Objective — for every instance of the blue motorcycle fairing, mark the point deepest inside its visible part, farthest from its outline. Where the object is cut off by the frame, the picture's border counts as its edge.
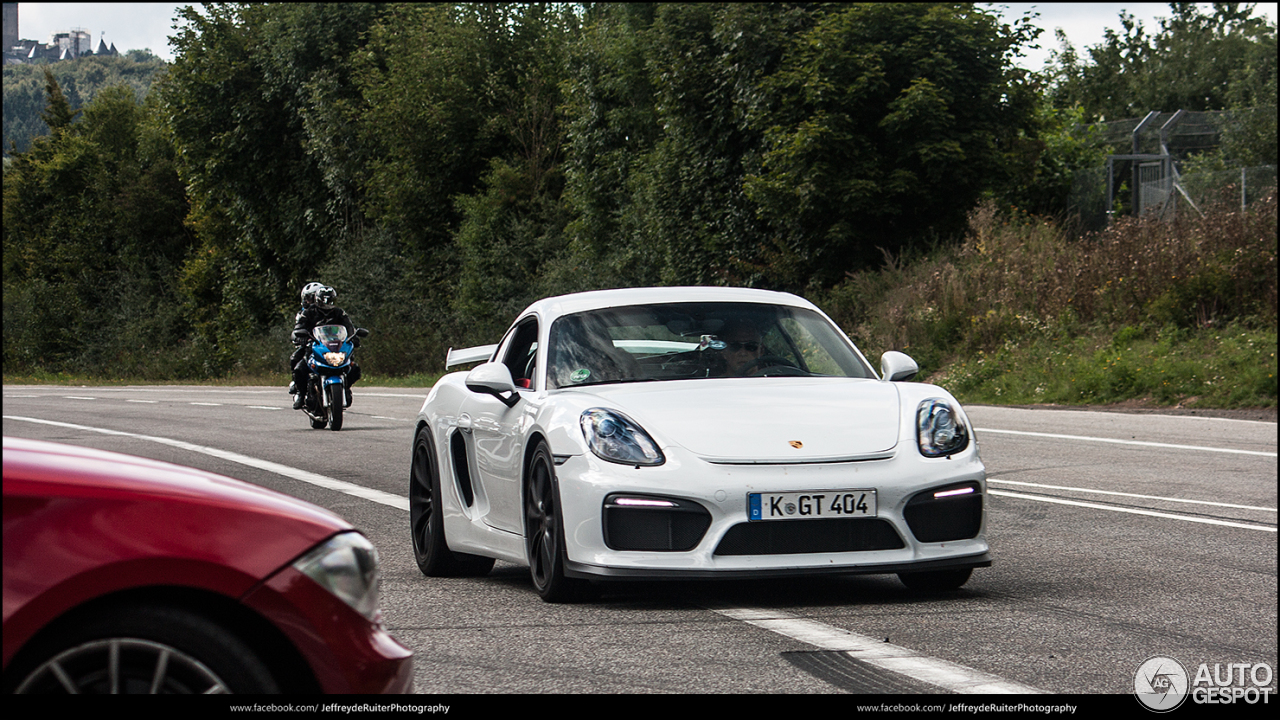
(317, 362)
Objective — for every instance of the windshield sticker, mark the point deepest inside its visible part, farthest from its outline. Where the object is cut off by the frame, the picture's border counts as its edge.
(579, 375)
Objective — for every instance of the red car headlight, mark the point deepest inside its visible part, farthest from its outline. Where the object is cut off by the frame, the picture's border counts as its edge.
(347, 566)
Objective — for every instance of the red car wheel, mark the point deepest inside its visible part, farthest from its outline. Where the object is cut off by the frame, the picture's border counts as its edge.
(141, 650)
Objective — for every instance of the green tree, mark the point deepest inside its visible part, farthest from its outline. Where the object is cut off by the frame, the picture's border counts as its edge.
(269, 192)
(58, 114)
(514, 226)
(460, 119)
(1249, 138)
(429, 81)
(662, 142)
(93, 237)
(709, 63)
(612, 119)
(1193, 61)
(79, 80)
(1044, 161)
(883, 126)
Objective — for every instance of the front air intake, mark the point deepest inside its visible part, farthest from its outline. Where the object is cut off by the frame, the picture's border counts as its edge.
(641, 522)
(942, 514)
(786, 537)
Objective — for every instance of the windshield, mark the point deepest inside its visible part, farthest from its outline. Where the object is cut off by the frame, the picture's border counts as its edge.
(330, 334)
(678, 341)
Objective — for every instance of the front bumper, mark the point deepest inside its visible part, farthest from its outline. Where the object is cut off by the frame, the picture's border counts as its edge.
(346, 653)
(578, 570)
(884, 544)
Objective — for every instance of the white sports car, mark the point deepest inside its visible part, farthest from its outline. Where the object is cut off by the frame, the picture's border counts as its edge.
(701, 432)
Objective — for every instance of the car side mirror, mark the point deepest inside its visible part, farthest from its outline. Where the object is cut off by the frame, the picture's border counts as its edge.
(493, 378)
(895, 366)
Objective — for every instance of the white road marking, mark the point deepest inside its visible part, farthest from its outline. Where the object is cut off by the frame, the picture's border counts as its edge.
(264, 407)
(1127, 442)
(206, 404)
(149, 402)
(329, 483)
(1134, 511)
(77, 397)
(935, 671)
(1130, 495)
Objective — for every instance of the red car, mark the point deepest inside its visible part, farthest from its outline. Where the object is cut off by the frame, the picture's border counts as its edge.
(129, 575)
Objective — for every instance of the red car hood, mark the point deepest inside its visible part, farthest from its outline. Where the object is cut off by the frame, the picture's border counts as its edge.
(83, 521)
(84, 472)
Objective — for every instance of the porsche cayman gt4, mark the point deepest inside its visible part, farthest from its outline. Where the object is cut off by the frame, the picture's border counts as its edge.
(690, 433)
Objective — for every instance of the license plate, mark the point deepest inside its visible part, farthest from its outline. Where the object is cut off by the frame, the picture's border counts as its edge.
(812, 504)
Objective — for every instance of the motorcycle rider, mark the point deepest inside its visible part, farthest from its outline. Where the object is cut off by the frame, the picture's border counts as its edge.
(322, 311)
(308, 299)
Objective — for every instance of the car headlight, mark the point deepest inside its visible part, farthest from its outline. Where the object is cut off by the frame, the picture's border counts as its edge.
(347, 566)
(335, 358)
(938, 430)
(614, 437)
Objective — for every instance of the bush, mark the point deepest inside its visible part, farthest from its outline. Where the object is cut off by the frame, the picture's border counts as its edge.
(1024, 312)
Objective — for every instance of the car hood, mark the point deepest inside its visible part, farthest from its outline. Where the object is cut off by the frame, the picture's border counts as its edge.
(133, 507)
(766, 420)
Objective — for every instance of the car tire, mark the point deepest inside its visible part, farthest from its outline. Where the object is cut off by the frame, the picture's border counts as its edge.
(141, 649)
(936, 580)
(544, 532)
(426, 519)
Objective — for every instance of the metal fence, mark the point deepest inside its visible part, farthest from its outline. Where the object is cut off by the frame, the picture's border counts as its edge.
(1146, 155)
(1244, 185)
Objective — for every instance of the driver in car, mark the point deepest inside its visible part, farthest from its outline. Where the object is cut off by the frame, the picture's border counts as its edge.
(742, 347)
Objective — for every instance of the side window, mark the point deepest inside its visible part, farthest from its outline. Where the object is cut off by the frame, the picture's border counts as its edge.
(522, 354)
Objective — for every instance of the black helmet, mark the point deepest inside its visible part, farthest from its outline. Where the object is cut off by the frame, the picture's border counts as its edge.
(325, 297)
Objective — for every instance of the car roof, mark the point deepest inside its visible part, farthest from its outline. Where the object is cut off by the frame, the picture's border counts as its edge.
(553, 307)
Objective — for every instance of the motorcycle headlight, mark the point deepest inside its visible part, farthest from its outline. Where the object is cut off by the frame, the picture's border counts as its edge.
(614, 437)
(347, 566)
(938, 431)
(335, 358)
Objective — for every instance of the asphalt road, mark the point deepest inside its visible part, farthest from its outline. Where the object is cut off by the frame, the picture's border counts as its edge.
(1115, 538)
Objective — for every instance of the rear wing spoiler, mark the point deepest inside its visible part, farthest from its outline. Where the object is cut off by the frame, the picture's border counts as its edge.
(468, 355)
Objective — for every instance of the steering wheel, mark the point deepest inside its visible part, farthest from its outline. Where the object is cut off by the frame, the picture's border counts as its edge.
(764, 363)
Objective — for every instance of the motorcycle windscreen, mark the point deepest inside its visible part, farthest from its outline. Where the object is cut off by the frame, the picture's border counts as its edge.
(330, 334)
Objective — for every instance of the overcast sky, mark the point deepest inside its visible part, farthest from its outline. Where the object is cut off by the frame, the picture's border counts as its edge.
(135, 26)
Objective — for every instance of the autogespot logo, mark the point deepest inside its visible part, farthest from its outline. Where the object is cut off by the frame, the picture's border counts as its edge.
(1161, 684)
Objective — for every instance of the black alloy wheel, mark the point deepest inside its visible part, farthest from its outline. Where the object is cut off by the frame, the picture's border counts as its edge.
(426, 522)
(544, 534)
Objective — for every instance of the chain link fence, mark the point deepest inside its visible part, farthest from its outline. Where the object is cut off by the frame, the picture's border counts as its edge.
(1142, 175)
(1244, 185)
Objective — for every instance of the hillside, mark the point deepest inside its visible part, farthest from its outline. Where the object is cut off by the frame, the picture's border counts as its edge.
(80, 80)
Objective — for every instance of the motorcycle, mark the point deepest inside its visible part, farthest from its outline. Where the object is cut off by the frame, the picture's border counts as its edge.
(329, 360)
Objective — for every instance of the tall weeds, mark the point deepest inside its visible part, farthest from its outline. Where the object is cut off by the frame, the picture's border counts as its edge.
(1018, 282)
